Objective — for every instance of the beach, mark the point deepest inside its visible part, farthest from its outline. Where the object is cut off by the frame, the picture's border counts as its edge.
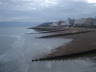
(81, 43)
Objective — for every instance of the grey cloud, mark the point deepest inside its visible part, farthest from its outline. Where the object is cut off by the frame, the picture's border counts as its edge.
(16, 10)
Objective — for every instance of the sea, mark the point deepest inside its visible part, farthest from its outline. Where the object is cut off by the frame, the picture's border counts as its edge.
(19, 45)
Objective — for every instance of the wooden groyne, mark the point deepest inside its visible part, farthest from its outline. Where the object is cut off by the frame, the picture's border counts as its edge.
(64, 34)
(90, 53)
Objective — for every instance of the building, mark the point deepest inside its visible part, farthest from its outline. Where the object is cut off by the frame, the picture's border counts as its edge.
(85, 22)
(59, 23)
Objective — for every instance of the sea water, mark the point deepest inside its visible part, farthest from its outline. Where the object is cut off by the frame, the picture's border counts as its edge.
(19, 45)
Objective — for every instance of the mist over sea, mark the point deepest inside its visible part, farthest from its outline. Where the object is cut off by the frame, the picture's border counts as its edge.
(18, 47)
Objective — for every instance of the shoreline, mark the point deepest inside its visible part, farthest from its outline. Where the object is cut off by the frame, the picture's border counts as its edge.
(81, 43)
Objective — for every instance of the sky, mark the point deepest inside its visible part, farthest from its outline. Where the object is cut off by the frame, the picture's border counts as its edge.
(45, 10)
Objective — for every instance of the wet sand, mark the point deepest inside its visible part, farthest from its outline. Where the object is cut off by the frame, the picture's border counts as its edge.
(81, 43)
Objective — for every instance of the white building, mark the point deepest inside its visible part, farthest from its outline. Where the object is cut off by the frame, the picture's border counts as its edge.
(59, 23)
(54, 24)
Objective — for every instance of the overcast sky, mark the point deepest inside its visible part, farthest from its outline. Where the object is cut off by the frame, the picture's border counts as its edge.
(45, 10)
